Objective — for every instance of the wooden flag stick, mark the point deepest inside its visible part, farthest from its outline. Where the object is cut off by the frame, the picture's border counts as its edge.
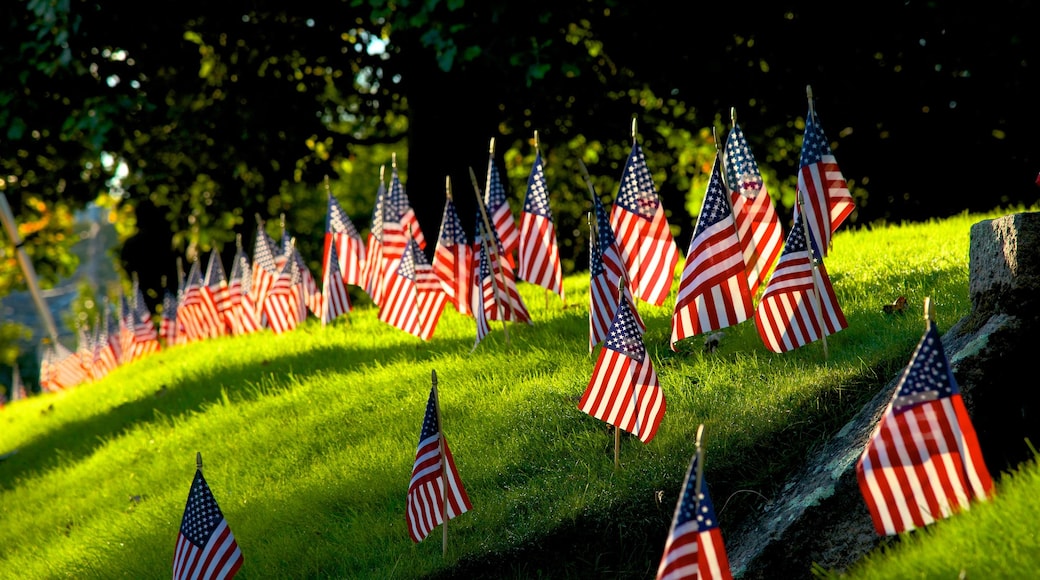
(929, 313)
(809, 97)
(633, 129)
(617, 447)
(198, 460)
(444, 467)
(490, 249)
(700, 464)
(28, 271)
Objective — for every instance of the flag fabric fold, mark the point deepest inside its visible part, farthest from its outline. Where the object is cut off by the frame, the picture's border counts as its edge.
(713, 290)
(215, 284)
(500, 214)
(434, 479)
(453, 260)
(400, 306)
(799, 305)
(335, 301)
(694, 548)
(538, 247)
(206, 547)
(350, 248)
(923, 461)
(607, 276)
(822, 188)
(624, 390)
(758, 226)
(645, 243)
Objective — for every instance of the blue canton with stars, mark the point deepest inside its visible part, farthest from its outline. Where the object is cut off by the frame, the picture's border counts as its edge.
(637, 193)
(716, 206)
(694, 506)
(742, 171)
(338, 221)
(496, 194)
(451, 228)
(397, 202)
(430, 427)
(376, 226)
(928, 377)
(407, 266)
(625, 336)
(201, 514)
(604, 232)
(796, 240)
(814, 142)
(537, 200)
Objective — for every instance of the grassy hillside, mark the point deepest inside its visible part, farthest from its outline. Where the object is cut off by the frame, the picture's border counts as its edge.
(308, 438)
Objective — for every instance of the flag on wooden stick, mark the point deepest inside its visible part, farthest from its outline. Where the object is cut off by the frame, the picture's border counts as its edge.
(453, 259)
(799, 305)
(923, 461)
(713, 290)
(694, 548)
(759, 229)
(435, 492)
(205, 548)
(644, 240)
(335, 301)
(624, 390)
(539, 250)
(821, 184)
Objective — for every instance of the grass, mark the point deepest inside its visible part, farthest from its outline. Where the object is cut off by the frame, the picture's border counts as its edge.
(308, 438)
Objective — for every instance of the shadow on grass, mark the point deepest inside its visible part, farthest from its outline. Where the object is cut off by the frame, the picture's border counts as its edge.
(77, 439)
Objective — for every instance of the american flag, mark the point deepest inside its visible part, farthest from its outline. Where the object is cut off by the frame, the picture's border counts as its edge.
(761, 235)
(713, 290)
(539, 250)
(624, 390)
(265, 270)
(146, 337)
(453, 260)
(340, 232)
(923, 461)
(372, 282)
(394, 239)
(215, 286)
(694, 548)
(431, 483)
(430, 294)
(606, 272)
(397, 199)
(798, 306)
(821, 185)
(502, 299)
(243, 316)
(197, 310)
(334, 298)
(482, 285)
(85, 352)
(305, 288)
(126, 330)
(206, 548)
(60, 368)
(279, 308)
(645, 243)
(400, 307)
(106, 359)
(499, 212)
(168, 330)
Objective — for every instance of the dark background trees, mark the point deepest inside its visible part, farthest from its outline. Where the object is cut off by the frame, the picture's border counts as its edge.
(226, 111)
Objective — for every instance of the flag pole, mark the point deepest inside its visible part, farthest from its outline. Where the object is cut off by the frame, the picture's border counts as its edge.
(444, 468)
(492, 254)
(929, 313)
(700, 465)
(7, 217)
(592, 243)
(198, 460)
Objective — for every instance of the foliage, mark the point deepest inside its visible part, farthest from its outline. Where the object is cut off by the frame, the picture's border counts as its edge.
(308, 438)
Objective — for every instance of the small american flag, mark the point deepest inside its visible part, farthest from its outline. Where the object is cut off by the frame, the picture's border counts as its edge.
(539, 250)
(798, 306)
(168, 322)
(340, 231)
(215, 286)
(265, 270)
(825, 194)
(694, 548)
(206, 548)
(429, 293)
(761, 235)
(502, 299)
(370, 275)
(106, 359)
(713, 290)
(606, 272)
(641, 226)
(145, 335)
(434, 477)
(243, 317)
(923, 462)
(280, 309)
(398, 206)
(335, 301)
(453, 260)
(624, 390)
(400, 307)
(499, 212)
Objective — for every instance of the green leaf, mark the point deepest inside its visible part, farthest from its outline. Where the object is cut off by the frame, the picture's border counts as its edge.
(447, 58)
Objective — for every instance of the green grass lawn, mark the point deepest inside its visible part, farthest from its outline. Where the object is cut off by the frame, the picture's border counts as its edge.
(308, 438)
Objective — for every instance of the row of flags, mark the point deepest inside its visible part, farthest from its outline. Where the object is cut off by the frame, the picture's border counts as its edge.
(922, 463)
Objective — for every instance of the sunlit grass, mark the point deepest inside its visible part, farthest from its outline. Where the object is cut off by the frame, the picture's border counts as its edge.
(308, 438)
